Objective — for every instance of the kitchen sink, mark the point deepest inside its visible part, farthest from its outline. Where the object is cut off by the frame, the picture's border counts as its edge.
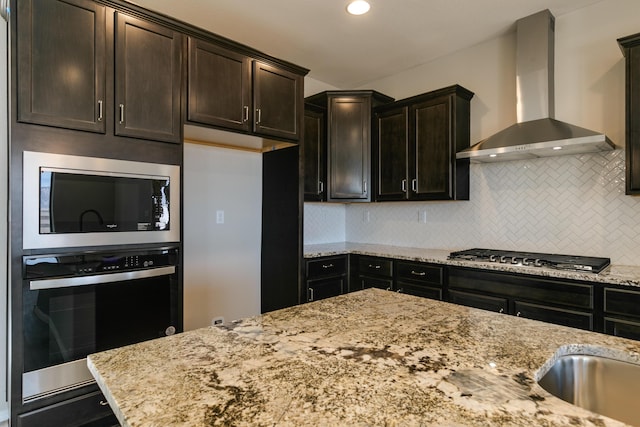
(602, 385)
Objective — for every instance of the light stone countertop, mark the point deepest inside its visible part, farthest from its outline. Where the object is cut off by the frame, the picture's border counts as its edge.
(616, 274)
(367, 358)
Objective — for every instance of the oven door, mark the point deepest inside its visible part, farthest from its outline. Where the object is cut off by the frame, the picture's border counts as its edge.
(66, 319)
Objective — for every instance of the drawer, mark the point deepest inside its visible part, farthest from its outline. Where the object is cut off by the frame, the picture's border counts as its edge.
(525, 288)
(485, 302)
(425, 273)
(375, 266)
(325, 288)
(89, 409)
(326, 266)
(419, 290)
(621, 301)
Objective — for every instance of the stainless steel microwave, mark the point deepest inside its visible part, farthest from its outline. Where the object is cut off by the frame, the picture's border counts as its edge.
(74, 201)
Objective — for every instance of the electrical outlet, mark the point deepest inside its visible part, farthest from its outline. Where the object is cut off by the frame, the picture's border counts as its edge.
(422, 217)
(219, 217)
(217, 321)
(366, 216)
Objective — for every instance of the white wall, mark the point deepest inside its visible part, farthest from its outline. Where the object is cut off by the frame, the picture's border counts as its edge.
(221, 261)
(571, 204)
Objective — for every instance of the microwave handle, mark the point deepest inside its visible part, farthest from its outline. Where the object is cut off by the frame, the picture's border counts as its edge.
(68, 282)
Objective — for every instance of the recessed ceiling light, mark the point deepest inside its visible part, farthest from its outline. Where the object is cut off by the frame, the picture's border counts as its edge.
(358, 7)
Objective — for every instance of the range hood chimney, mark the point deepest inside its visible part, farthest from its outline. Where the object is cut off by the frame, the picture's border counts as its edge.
(537, 133)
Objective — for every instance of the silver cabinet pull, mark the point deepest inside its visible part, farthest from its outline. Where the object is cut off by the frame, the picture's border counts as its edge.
(245, 116)
(501, 310)
(414, 185)
(320, 187)
(377, 267)
(418, 273)
(518, 314)
(400, 291)
(121, 113)
(99, 110)
(310, 294)
(364, 184)
(404, 185)
(104, 403)
(327, 265)
(258, 115)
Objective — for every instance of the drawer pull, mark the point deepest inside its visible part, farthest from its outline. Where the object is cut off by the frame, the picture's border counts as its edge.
(400, 291)
(310, 296)
(377, 267)
(501, 311)
(518, 314)
(104, 403)
(327, 265)
(418, 273)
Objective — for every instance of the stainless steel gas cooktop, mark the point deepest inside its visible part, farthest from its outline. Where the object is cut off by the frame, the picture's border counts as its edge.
(534, 259)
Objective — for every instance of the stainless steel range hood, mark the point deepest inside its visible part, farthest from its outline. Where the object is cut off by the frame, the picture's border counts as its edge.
(537, 133)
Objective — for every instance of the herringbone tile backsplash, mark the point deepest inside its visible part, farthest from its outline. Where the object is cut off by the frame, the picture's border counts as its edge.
(571, 204)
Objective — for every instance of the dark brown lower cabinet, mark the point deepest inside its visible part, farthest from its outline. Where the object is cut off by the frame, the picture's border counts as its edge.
(371, 272)
(550, 300)
(420, 279)
(89, 410)
(622, 312)
(326, 277)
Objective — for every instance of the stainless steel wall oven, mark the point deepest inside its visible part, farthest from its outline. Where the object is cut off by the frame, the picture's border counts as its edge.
(80, 303)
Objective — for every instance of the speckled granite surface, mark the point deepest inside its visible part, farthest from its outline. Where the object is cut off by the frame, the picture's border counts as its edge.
(368, 358)
(615, 274)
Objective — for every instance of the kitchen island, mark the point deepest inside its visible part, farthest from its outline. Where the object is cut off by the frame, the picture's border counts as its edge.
(371, 357)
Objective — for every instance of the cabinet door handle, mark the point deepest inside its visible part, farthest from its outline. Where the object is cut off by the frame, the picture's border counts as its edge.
(327, 265)
(99, 110)
(320, 187)
(103, 403)
(310, 296)
(245, 116)
(377, 267)
(518, 314)
(121, 113)
(364, 185)
(414, 185)
(400, 291)
(404, 185)
(501, 311)
(258, 115)
(418, 273)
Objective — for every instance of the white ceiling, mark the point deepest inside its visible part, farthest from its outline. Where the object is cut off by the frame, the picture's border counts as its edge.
(351, 51)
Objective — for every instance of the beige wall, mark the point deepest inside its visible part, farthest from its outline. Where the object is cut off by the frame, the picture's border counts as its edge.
(221, 261)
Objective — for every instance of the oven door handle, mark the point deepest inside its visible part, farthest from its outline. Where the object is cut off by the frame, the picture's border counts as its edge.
(69, 282)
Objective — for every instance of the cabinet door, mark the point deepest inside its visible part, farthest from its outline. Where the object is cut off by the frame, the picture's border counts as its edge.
(349, 148)
(419, 290)
(147, 80)
(632, 97)
(559, 316)
(61, 64)
(219, 92)
(391, 154)
(277, 101)
(431, 159)
(325, 288)
(314, 155)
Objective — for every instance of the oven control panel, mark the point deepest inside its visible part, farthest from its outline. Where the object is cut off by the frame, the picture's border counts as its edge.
(79, 264)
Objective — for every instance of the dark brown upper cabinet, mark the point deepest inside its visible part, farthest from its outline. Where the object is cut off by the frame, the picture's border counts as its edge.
(349, 115)
(415, 145)
(219, 86)
(61, 68)
(630, 46)
(231, 90)
(315, 147)
(147, 80)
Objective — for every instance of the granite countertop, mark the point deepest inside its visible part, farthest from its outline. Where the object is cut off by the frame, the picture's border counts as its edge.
(616, 274)
(371, 357)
